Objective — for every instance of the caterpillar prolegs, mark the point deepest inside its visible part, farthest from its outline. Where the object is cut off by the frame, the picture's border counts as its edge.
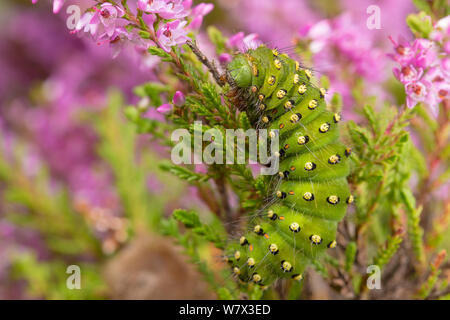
(312, 194)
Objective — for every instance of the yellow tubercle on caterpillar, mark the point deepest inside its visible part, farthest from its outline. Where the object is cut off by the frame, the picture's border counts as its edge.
(315, 239)
(261, 97)
(273, 248)
(309, 166)
(308, 196)
(336, 117)
(308, 74)
(243, 241)
(334, 159)
(237, 255)
(302, 140)
(271, 215)
(296, 78)
(256, 278)
(333, 199)
(271, 80)
(255, 70)
(295, 117)
(289, 104)
(350, 199)
(312, 104)
(294, 227)
(265, 119)
(277, 63)
(302, 88)
(258, 230)
(348, 152)
(281, 93)
(275, 52)
(286, 266)
(332, 244)
(297, 66)
(280, 194)
(324, 127)
(251, 262)
(323, 92)
(236, 271)
(297, 277)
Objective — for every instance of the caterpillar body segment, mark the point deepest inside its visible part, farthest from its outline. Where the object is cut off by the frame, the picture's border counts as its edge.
(311, 194)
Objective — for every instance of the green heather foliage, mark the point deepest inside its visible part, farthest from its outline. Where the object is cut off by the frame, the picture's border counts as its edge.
(396, 221)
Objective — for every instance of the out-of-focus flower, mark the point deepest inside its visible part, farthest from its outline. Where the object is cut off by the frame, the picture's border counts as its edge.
(165, 108)
(57, 4)
(225, 58)
(198, 13)
(167, 9)
(179, 99)
(172, 34)
(343, 51)
(102, 22)
(274, 21)
(243, 43)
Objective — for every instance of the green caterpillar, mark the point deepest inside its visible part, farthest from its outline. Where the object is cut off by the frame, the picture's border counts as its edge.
(312, 193)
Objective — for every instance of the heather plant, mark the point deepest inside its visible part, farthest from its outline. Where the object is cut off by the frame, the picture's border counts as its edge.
(393, 241)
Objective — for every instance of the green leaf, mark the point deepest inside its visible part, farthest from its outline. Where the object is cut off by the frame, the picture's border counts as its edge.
(420, 24)
(189, 218)
(155, 51)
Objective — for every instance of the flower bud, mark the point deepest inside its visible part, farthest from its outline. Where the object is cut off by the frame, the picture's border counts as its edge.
(165, 108)
(179, 99)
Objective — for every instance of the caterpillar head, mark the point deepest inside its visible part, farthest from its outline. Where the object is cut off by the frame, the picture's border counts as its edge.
(241, 71)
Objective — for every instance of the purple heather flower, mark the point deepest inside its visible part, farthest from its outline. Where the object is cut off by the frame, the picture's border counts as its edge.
(424, 67)
(165, 108)
(198, 12)
(225, 58)
(153, 6)
(88, 23)
(167, 9)
(244, 43)
(57, 4)
(179, 99)
(408, 74)
(172, 34)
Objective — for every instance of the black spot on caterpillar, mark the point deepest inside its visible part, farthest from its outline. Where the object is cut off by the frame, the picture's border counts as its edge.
(312, 193)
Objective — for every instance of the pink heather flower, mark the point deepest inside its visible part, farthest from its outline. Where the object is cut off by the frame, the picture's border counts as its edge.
(153, 6)
(242, 43)
(108, 15)
(88, 23)
(407, 74)
(425, 68)
(403, 50)
(165, 108)
(416, 92)
(172, 34)
(174, 9)
(167, 9)
(225, 58)
(57, 4)
(441, 29)
(198, 13)
(179, 99)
